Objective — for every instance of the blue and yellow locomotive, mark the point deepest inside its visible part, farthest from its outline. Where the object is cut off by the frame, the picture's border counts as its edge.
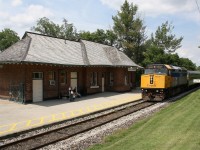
(160, 81)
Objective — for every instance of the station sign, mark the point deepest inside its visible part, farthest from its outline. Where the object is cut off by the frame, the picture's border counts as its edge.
(132, 69)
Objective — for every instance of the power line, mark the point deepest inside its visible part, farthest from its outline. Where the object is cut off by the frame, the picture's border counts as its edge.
(197, 6)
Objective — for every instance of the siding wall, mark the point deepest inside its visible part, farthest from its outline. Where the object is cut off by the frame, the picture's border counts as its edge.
(22, 73)
(10, 75)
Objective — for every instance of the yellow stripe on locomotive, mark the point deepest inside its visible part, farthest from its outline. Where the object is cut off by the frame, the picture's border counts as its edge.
(154, 81)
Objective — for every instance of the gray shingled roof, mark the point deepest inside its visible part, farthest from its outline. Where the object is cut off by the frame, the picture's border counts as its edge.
(45, 49)
(16, 52)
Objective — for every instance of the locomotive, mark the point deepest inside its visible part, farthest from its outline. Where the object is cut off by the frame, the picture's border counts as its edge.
(161, 81)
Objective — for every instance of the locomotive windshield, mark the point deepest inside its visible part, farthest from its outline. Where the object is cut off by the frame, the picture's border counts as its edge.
(156, 69)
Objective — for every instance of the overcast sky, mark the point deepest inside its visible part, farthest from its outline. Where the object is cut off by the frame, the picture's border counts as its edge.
(89, 15)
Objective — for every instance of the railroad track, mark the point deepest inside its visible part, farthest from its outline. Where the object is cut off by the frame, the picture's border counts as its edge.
(55, 135)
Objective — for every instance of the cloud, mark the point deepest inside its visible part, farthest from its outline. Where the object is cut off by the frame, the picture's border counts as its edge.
(3, 15)
(190, 50)
(27, 17)
(156, 8)
(16, 2)
(114, 4)
(191, 54)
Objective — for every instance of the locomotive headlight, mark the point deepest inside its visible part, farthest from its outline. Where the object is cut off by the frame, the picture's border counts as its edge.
(157, 90)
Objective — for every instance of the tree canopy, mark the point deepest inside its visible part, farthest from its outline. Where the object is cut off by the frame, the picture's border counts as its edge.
(48, 27)
(107, 37)
(161, 47)
(165, 39)
(187, 63)
(130, 31)
(157, 55)
(7, 38)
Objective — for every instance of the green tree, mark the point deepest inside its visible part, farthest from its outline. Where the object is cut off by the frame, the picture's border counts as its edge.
(7, 38)
(153, 55)
(157, 55)
(100, 36)
(111, 38)
(187, 63)
(86, 35)
(68, 31)
(165, 39)
(172, 59)
(130, 32)
(160, 48)
(47, 27)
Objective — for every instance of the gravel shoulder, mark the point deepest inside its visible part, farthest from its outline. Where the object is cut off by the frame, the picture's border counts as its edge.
(87, 139)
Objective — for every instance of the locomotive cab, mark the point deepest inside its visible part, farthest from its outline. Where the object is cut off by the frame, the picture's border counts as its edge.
(155, 81)
(160, 81)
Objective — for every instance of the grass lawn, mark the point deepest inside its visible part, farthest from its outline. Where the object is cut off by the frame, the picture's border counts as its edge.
(176, 127)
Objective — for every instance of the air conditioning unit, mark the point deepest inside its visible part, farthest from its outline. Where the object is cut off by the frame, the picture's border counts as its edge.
(52, 82)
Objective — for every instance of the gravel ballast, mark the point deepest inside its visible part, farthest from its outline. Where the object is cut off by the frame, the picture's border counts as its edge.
(85, 140)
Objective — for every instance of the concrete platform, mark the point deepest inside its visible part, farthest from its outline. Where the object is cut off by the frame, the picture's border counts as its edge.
(16, 117)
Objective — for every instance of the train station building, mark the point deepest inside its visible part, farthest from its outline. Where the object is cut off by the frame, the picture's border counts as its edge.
(41, 67)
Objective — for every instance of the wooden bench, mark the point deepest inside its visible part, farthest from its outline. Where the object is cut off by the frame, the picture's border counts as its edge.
(64, 95)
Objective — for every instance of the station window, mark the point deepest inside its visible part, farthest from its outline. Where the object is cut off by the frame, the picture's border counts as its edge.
(111, 79)
(37, 75)
(52, 78)
(63, 77)
(126, 79)
(51, 75)
(93, 79)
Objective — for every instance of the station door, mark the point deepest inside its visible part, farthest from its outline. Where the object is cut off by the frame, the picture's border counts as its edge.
(37, 87)
(74, 80)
